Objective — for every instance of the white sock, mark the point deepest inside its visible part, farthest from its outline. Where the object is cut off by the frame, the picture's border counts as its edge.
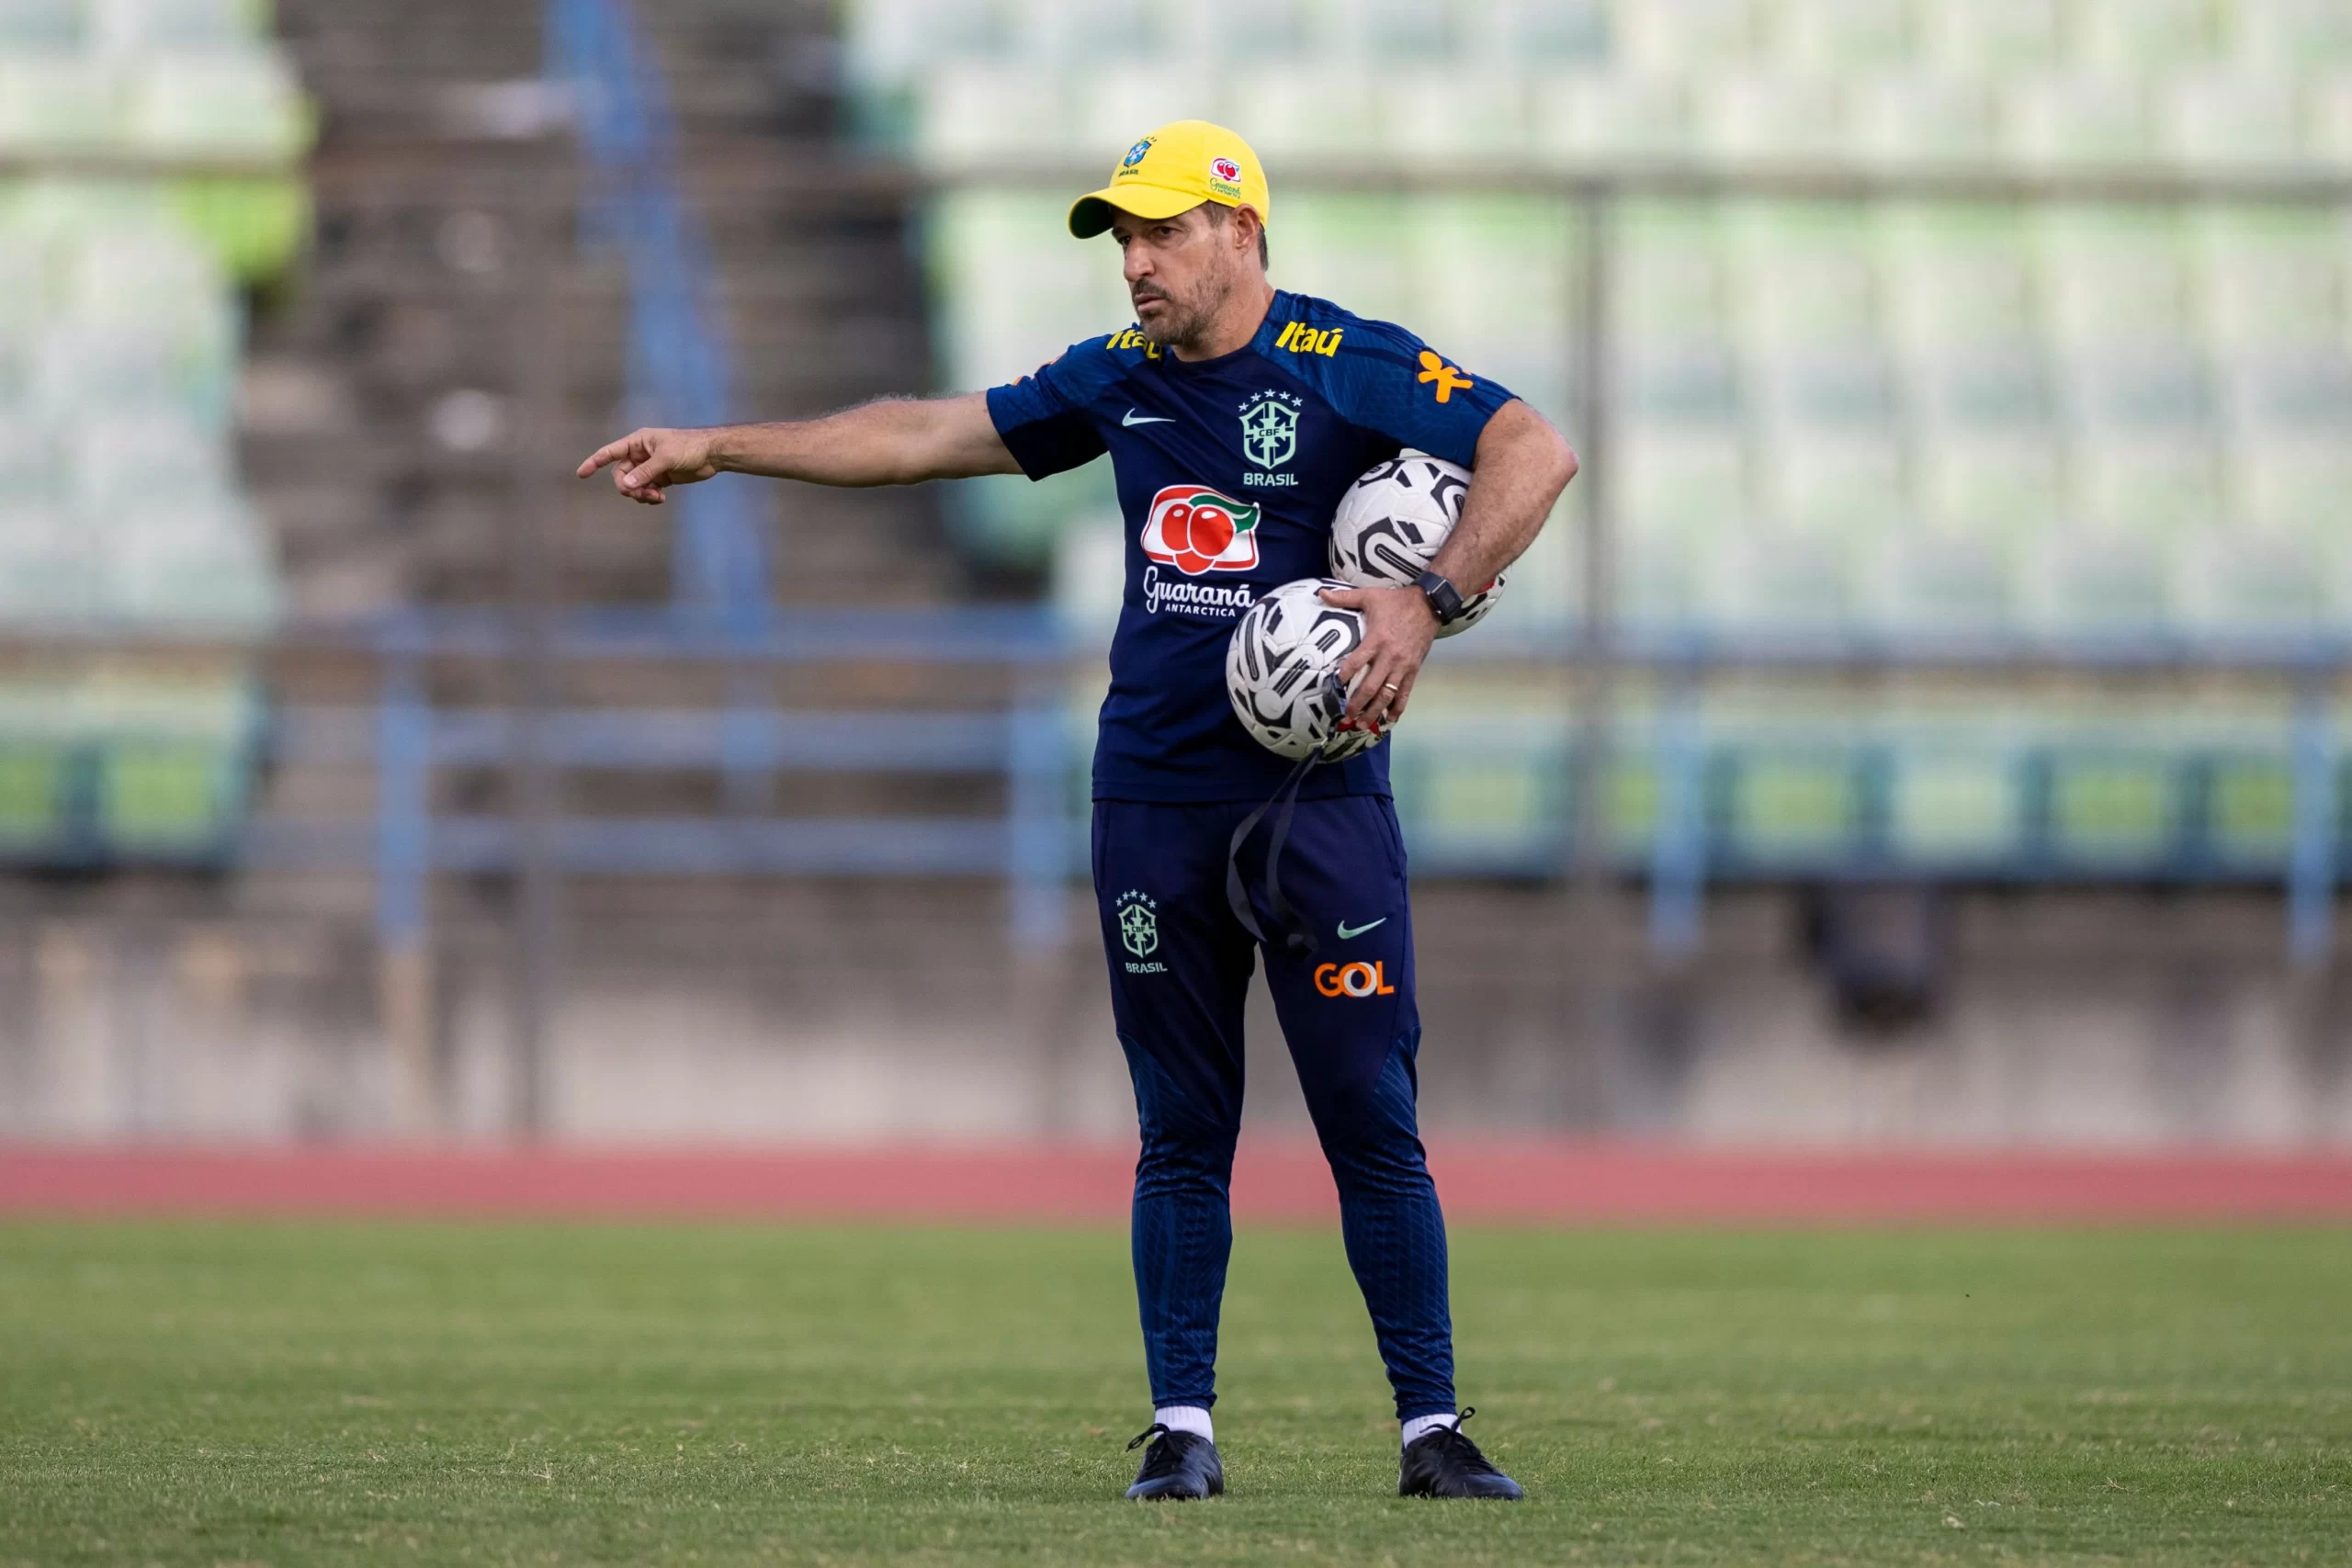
(1420, 1426)
(1186, 1419)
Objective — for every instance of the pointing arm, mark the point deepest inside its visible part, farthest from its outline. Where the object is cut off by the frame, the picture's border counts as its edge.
(895, 441)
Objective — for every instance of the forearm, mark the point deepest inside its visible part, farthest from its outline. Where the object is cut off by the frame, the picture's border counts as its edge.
(897, 441)
(1522, 466)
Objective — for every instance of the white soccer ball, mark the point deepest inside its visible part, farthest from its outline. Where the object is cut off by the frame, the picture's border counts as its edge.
(1391, 523)
(1282, 669)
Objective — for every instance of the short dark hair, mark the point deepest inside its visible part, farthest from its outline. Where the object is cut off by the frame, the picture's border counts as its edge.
(1218, 213)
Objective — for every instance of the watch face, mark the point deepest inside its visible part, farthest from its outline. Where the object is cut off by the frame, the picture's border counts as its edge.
(1444, 599)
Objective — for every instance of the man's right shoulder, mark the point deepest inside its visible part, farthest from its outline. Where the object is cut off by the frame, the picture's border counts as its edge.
(1125, 346)
(1076, 385)
(1091, 366)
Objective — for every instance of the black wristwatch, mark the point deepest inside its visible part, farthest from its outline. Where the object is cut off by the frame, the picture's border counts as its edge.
(1445, 600)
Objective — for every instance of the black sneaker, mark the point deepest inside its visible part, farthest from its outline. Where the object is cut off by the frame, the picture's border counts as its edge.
(1177, 1465)
(1442, 1462)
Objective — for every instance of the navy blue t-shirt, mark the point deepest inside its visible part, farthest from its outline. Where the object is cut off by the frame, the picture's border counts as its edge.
(1229, 471)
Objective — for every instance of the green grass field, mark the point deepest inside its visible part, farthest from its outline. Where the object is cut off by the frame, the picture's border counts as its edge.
(206, 1395)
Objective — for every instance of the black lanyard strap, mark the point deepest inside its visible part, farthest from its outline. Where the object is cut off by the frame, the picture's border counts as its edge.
(1297, 936)
(1284, 804)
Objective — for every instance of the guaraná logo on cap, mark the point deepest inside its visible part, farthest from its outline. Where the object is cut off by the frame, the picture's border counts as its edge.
(1226, 170)
(1135, 154)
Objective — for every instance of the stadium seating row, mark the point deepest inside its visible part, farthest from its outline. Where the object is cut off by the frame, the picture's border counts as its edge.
(89, 301)
(972, 113)
(2081, 784)
(118, 766)
(199, 565)
(892, 42)
(118, 28)
(2030, 83)
(231, 106)
(154, 78)
(1500, 274)
(1929, 275)
(2060, 793)
(252, 224)
(2259, 589)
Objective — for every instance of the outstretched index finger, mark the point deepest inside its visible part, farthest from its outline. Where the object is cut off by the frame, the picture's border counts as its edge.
(610, 452)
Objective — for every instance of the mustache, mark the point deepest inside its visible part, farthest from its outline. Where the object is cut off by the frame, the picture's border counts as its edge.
(1142, 293)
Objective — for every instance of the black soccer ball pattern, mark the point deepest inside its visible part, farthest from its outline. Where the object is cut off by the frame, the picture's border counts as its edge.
(1282, 672)
(1391, 523)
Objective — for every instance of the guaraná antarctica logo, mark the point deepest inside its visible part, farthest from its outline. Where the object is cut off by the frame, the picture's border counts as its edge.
(1194, 529)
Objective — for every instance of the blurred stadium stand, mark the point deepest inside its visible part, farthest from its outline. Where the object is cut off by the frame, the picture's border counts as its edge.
(1964, 418)
(1966, 389)
(122, 329)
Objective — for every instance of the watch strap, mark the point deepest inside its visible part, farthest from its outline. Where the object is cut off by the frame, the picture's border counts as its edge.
(1444, 599)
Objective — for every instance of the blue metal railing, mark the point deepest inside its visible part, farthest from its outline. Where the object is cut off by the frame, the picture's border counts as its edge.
(408, 740)
(2046, 824)
(1698, 791)
(679, 368)
(1700, 825)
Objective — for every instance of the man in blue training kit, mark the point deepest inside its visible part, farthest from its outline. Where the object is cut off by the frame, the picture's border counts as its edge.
(1235, 415)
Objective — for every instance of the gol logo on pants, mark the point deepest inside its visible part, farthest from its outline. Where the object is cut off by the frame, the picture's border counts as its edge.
(1353, 980)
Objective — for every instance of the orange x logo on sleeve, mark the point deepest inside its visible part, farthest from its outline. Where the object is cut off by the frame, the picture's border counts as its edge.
(1449, 379)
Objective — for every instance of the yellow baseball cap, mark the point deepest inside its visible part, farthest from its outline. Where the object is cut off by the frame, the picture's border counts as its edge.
(1173, 170)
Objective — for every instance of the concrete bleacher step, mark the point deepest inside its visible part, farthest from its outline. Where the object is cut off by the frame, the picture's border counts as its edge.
(378, 416)
(821, 299)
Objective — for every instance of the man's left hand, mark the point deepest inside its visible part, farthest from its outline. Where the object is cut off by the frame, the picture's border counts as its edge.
(1399, 626)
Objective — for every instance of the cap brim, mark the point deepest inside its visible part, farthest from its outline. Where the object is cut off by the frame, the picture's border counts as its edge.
(1090, 214)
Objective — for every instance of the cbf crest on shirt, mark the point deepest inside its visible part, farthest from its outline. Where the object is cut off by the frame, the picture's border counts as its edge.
(1229, 471)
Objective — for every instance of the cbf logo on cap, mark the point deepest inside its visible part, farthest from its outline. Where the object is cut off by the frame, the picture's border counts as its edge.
(1173, 170)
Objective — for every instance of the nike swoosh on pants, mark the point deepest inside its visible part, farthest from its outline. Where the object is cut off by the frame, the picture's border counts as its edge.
(1345, 933)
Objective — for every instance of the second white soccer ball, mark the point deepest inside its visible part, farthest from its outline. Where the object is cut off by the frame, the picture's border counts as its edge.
(1390, 526)
(1281, 670)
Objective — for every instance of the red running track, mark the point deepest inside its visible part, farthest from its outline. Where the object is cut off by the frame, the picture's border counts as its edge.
(1526, 1183)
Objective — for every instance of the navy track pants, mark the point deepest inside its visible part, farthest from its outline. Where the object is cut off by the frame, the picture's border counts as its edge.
(1180, 972)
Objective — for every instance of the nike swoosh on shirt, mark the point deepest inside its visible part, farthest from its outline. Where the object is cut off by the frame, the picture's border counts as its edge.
(1345, 933)
(1134, 419)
